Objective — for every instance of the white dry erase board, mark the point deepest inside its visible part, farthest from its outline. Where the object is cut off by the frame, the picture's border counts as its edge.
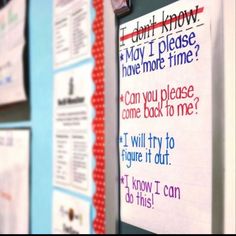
(165, 134)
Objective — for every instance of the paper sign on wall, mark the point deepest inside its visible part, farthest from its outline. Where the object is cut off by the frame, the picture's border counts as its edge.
(70, 215)
(12, 42)
(166, 118)
(14, 181)
(73, 129)
(72, 27)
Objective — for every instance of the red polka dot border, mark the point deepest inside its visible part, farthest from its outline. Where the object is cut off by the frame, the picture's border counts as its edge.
(98, 122)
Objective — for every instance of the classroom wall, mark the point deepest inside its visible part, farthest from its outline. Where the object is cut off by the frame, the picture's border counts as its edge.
(41, 89)
(37, 114)
(42, 76)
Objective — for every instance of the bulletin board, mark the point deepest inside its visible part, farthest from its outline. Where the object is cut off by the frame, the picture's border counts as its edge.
(78, 118)
(38, 115)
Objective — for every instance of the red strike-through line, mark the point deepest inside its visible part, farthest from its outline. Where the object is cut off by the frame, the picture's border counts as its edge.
(157, 25)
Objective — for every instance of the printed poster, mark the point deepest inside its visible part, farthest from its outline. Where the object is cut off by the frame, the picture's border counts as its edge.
(165, 138)
(73, 135)
(70, 214)
(72, 31)
(14, 181)
(12, 44)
